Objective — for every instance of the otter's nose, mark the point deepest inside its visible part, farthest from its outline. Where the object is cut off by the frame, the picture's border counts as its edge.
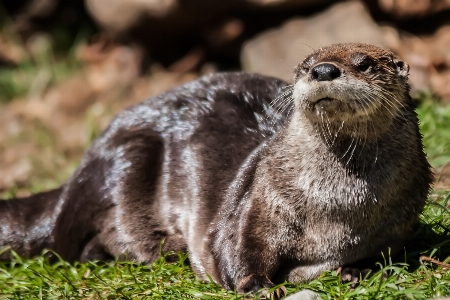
(325, 72)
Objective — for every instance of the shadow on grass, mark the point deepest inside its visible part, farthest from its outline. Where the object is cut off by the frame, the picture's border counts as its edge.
(429, 243)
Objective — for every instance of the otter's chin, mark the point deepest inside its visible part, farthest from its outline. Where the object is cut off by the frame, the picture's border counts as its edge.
(326, 105)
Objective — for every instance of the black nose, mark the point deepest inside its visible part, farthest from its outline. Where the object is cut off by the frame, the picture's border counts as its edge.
(325, 72)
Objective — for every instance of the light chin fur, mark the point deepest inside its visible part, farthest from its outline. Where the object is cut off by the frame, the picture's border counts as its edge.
(354, 100)
(357, 110)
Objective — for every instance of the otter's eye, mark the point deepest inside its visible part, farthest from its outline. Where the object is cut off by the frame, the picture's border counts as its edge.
(308, 62)
(301, 70)
(364, 66)
(363, 62)
(305, 67)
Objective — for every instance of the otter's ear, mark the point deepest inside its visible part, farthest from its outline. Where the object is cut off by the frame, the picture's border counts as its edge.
(402, 67)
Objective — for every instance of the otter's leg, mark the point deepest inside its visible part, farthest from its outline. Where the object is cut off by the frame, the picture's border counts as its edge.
(359, 270)
(304, 273)
(349, 273)
(83, 210)
(255, 271)
(246, 261)
(133, 228)
(113, 197)
(95, 250)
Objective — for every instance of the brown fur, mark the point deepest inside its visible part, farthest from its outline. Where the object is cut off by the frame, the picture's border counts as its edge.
(334, 172)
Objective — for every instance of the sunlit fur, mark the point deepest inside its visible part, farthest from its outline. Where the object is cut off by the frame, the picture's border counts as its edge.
(364, 102)
(257, 180)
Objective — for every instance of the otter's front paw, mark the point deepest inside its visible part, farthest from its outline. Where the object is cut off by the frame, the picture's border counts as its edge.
(349, 274)
(354, 274)
(257, 283)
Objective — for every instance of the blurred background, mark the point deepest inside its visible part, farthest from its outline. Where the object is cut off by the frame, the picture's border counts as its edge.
(68, 66)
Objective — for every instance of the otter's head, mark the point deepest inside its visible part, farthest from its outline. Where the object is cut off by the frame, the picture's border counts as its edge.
(353, 84)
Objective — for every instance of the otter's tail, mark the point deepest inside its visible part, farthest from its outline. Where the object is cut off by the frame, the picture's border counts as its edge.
(26, 224)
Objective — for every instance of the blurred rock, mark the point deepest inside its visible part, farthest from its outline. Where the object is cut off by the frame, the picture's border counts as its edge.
(158, 82)
(441, 45)
(281, 3)
(440, 59)
(429, 61)
(224, 32)
(28, 10)
(189, 62)
(416, 53)
(120, 16)
(39, 8)
(403, 9)
(276, 52)
(11, 52)
(391, 37)
(109, 65)
(304, 295)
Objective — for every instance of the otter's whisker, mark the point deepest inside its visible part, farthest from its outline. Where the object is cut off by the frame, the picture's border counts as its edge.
(286, 105)
(278, 105)
(280, 97)
(383, 91)
(348, 149)
(291, 86)
(323, 131)
(364, 104)
(364, 144)
(353, 151)
(328, 125)
(337, 132)
(376, 144)
(280, 109)
(374, 98)
(396, 108)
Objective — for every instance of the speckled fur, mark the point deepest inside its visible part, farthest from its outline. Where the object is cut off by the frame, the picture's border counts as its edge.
(254, 194)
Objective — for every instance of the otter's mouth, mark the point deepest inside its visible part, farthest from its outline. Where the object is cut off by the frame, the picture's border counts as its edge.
(326, 99)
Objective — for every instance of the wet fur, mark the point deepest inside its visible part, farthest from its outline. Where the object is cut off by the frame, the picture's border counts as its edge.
(255, 192)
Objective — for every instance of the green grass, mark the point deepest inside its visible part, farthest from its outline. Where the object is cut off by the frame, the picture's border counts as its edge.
(41, 64)
(407, 277)
(39, 279)
(435, 127)
(33, 75)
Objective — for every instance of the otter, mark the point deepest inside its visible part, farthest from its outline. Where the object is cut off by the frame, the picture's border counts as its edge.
(257, 179)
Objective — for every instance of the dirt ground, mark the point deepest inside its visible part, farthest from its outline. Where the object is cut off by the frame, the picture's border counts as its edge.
(44, 134)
